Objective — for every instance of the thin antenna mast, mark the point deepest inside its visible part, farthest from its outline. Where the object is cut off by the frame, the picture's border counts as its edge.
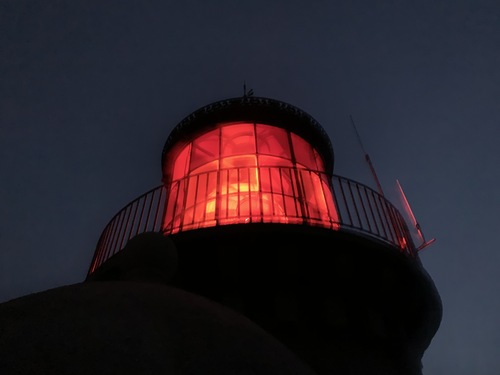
(367, 158)
(409, 212)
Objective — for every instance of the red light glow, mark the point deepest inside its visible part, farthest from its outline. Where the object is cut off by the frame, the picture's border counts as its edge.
(245, 173)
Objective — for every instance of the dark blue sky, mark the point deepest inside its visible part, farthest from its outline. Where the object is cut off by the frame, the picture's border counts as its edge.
(89, 91)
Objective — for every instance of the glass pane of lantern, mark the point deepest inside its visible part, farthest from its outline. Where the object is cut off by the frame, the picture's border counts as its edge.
(205, 149)
(237, 140)
(181, 163)
(272, 141)
(303, 152)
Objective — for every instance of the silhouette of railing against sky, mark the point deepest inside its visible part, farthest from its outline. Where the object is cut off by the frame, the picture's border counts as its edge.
(359, 210)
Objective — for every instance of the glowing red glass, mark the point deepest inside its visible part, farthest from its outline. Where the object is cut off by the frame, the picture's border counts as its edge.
(246, 173)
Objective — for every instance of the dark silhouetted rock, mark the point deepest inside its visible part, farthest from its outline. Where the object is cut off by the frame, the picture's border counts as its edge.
(134, 328)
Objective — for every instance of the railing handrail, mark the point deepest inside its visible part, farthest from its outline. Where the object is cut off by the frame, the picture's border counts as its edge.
(390, 226)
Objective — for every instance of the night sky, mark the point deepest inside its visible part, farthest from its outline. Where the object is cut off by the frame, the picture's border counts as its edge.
(90, 90)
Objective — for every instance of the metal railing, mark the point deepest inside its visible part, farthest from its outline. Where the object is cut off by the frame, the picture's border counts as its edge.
(360, 210)
(144, 214)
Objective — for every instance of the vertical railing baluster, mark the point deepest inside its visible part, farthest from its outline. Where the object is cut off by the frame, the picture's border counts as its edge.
(371, 210)
(204, 218)
(381, 221)
(391, 237)
(364, 209)
(249, 195)
(176, 205)
(396, 229)
(395, 225)
(354, 204)
(157, 213)
(101, 247)
(110, 240)
(149, 211)
(143, 206)
(345, 203)
(124, 236)
(136, 205)
(118, 233)
(335, 200)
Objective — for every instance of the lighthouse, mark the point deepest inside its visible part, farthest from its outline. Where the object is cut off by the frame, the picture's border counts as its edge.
(261, 224)
(251, 217)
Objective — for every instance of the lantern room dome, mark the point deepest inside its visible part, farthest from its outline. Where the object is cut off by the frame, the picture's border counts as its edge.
(255, 110)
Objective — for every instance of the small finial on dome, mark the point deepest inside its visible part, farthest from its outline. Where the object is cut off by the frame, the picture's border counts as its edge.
(245, 92)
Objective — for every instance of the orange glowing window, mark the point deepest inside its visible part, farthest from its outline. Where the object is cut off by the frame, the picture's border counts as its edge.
(244, 173)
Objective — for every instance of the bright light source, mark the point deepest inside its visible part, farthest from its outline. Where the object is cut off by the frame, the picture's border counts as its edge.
(247, 173)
